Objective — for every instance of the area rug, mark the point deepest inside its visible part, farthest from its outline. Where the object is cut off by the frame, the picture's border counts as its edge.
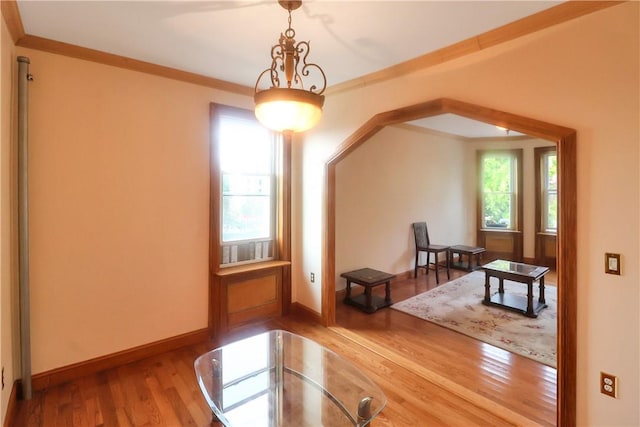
(457, 305)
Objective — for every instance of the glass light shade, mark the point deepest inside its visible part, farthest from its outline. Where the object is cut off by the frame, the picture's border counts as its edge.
(292, 110)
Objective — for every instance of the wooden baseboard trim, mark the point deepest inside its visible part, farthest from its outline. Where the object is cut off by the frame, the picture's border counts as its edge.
(68, 373)
(304, 312)
(12, 406)
(403, 276)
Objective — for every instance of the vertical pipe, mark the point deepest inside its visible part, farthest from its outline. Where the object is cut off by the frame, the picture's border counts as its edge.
(23, 224)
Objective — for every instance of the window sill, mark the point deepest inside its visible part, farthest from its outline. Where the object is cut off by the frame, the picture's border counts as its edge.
(230, 271)
(500, 230)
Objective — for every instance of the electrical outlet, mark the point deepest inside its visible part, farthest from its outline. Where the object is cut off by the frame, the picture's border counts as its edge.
(609, 384)
(313, 278)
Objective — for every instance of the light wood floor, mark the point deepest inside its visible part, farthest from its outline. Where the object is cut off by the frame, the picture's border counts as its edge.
(510, 381)
(429, 374)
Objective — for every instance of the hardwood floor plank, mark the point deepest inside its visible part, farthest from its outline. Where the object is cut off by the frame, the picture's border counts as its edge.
(88, 402)
(163, 374)
(106, 404)
(31, 414)
(165, 408)
(115, 390)
(53, 400)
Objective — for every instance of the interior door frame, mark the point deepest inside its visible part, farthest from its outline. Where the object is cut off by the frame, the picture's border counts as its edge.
(565, 139)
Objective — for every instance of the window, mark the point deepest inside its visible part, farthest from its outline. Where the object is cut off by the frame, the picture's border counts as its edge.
(499, 189)
(548, 188)
(246, 153)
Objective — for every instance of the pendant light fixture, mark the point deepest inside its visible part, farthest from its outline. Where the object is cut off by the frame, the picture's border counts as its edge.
(287, 106)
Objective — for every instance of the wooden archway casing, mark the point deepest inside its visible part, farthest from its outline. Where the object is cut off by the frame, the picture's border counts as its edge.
(565, 139)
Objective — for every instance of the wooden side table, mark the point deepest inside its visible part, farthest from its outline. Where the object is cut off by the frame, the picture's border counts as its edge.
(469, 252)
(369, 278)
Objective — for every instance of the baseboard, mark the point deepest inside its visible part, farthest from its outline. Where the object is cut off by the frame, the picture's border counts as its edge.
(12, 406)
(305, 312)
(68, 373)
(404, 275)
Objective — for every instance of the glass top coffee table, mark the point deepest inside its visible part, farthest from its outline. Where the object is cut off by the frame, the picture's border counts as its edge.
(278, 378)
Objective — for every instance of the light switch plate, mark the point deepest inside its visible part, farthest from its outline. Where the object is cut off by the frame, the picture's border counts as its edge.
(612, 263)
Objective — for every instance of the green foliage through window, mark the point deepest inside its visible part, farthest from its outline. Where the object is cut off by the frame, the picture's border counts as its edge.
(550, 191)
(498, 190)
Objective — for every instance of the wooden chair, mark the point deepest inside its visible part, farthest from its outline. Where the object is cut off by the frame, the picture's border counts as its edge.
(423, 244)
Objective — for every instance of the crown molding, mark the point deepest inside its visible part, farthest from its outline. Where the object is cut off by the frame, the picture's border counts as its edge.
(12, 18)
(547, 18)
(79, 52)
(539, 21)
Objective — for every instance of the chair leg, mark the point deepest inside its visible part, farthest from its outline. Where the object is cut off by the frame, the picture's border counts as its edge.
(435, 266)
(415, 270)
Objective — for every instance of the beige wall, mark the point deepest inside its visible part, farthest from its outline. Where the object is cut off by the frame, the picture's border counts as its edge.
(403, 175)
(582, 74)
(7, 262)
(398, 177)
(119, 190)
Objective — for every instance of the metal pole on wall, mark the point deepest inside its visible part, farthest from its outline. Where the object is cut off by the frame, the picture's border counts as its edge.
(23, 224)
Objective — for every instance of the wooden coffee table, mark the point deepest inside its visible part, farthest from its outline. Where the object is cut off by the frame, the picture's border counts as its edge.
(369, 278)
(517, 272)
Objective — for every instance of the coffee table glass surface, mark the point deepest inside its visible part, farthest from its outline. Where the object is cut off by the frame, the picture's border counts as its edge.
(278, 378)
(533, 271)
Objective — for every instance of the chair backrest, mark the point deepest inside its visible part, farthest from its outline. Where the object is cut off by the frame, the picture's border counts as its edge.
(421, 234)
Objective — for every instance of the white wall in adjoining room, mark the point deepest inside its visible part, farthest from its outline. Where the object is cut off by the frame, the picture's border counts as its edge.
(398, 177)
(406, 174)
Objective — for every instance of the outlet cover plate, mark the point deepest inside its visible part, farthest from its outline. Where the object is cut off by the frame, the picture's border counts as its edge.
(609, 385)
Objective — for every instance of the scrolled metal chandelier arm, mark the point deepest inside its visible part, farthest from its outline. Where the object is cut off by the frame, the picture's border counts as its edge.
(304, 48)
(285, 60)
(289, 106)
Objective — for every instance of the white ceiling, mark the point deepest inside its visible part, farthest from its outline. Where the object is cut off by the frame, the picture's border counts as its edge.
(461, 126)
(231, 40)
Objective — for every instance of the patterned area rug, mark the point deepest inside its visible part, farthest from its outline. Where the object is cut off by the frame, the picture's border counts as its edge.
(457, 305)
